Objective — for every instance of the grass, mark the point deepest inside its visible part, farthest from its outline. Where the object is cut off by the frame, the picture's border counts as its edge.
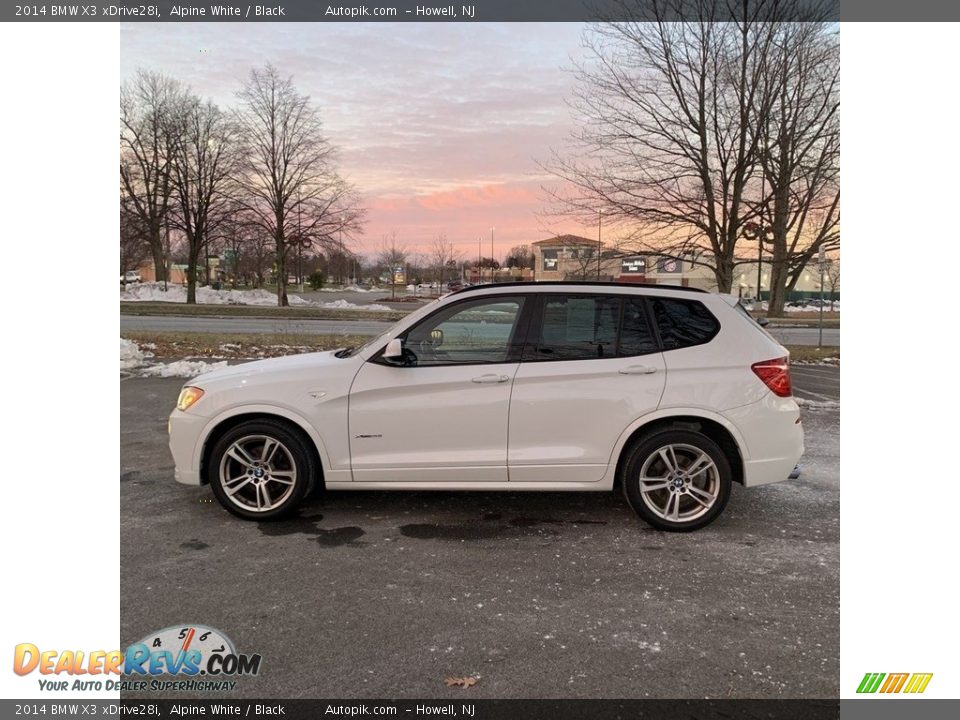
(810, 354)
(161, 308)
(241, 346)
(236, 346)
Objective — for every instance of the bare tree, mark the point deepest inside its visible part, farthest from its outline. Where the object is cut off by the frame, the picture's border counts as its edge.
(668, 147)
(520, 256)
(204, 164)
(443, 256)
(392, 255)
(134, 248)
(800, 152)
(147, 104)
(290, 183)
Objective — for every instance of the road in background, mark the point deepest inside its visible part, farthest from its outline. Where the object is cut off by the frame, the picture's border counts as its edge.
(306, 326)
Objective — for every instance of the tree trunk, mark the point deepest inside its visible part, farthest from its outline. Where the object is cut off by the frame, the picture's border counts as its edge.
(282, 300)
(778, 280)
(724, 274)
(192, 282)
(159, 257)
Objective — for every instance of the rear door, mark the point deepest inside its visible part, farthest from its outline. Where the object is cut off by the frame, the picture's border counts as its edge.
(591, 367)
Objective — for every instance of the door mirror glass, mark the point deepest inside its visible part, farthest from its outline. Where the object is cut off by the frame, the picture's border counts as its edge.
(394, 349)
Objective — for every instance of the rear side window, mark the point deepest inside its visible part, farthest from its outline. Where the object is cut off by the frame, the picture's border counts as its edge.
(578, 328)
(586, 327)
(683, 323)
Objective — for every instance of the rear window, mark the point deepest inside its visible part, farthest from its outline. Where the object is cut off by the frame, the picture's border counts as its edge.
(683, 323)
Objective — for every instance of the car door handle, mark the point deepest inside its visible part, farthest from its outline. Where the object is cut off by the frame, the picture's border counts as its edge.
(490, 379)
(637, 370)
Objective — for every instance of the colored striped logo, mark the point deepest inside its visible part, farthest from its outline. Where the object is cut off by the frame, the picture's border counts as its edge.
(894, 682)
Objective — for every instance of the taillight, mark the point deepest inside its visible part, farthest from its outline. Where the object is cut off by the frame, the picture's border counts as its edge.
(775, 375)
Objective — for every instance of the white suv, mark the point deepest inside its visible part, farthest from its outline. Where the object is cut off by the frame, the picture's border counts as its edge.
(671, 393)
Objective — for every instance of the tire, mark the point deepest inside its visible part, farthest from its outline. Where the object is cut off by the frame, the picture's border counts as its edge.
(670, 498)
(262, 470)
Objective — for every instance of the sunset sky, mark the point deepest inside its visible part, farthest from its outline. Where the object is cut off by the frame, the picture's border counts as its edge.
(440, 125)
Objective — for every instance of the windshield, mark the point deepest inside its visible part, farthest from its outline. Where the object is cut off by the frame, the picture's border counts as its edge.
(353, 350)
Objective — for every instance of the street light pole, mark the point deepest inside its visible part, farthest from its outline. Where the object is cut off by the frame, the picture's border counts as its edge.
(299, 245)
(491, 254)
(822, 261)
(599, 243)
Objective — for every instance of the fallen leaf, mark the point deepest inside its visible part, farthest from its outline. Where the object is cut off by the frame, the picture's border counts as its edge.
(463, 682)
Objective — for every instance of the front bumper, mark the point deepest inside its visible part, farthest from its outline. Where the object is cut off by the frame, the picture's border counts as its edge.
(185, 432)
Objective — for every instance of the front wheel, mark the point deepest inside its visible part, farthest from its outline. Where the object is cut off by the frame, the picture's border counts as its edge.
(261, 470)
(677, 480)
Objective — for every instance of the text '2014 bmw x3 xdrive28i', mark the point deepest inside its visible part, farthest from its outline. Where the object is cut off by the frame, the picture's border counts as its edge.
(671, 394)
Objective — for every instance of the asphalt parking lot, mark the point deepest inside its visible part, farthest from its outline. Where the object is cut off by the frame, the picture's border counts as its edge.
(553, 595)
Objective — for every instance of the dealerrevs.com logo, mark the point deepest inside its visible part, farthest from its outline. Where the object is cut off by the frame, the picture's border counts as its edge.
(178, 658)
(911, 683)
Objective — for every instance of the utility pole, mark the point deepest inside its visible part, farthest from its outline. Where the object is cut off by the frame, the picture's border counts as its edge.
(822, 263)
(479, 271)
(491, 254)
(599, 243)
(299, 245)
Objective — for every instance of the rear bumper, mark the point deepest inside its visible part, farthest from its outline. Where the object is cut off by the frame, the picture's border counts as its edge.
(773, 436)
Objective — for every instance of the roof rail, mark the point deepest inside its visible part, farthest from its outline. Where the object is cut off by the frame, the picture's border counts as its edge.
(579, 283)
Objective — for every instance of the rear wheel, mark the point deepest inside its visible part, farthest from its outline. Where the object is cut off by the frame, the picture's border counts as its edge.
(676, 480)
(261, 470)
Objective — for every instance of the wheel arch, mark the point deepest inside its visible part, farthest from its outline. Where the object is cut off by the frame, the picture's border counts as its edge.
(226, 421)
(714, 426)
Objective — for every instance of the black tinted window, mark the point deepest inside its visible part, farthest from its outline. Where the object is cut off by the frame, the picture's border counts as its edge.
(683, 323)
(578, 328)
(585, 327)
(635, 335)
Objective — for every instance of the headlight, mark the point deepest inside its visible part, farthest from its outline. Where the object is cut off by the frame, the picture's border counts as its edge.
(188, 396)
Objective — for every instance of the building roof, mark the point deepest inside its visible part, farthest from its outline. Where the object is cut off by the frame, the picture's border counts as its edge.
(565, 240)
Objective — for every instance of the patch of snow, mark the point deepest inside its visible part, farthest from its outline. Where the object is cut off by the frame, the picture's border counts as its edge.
(346, 305)
(182, 368)
(154, 292)
(818, 404)
(130, 355)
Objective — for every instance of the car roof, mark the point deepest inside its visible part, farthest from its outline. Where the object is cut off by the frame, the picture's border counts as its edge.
(578, 286)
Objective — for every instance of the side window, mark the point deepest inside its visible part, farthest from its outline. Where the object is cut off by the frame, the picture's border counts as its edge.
(578, 328)
(683, 323)
(470, 333)
(636, 337)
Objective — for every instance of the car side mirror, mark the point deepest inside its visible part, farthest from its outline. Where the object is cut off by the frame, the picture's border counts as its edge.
(394, 350)
(762, 322)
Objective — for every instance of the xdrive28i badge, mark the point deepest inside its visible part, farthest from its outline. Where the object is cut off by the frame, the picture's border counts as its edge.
(186, 657)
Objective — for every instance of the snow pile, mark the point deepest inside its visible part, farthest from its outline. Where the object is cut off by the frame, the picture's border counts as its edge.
(182, 368)
(154, 292)
(132, 358)
(130, 355)
(818, 404)
(345, 305)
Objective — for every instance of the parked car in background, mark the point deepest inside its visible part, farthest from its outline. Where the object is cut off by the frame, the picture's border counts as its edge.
(131, 276)
(668, 394)
(454, 285)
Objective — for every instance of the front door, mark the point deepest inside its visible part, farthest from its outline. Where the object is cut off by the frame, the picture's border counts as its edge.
(591, 367)
(442, 415)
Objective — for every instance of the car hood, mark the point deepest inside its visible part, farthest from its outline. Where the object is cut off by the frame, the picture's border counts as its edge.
(291, 364)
